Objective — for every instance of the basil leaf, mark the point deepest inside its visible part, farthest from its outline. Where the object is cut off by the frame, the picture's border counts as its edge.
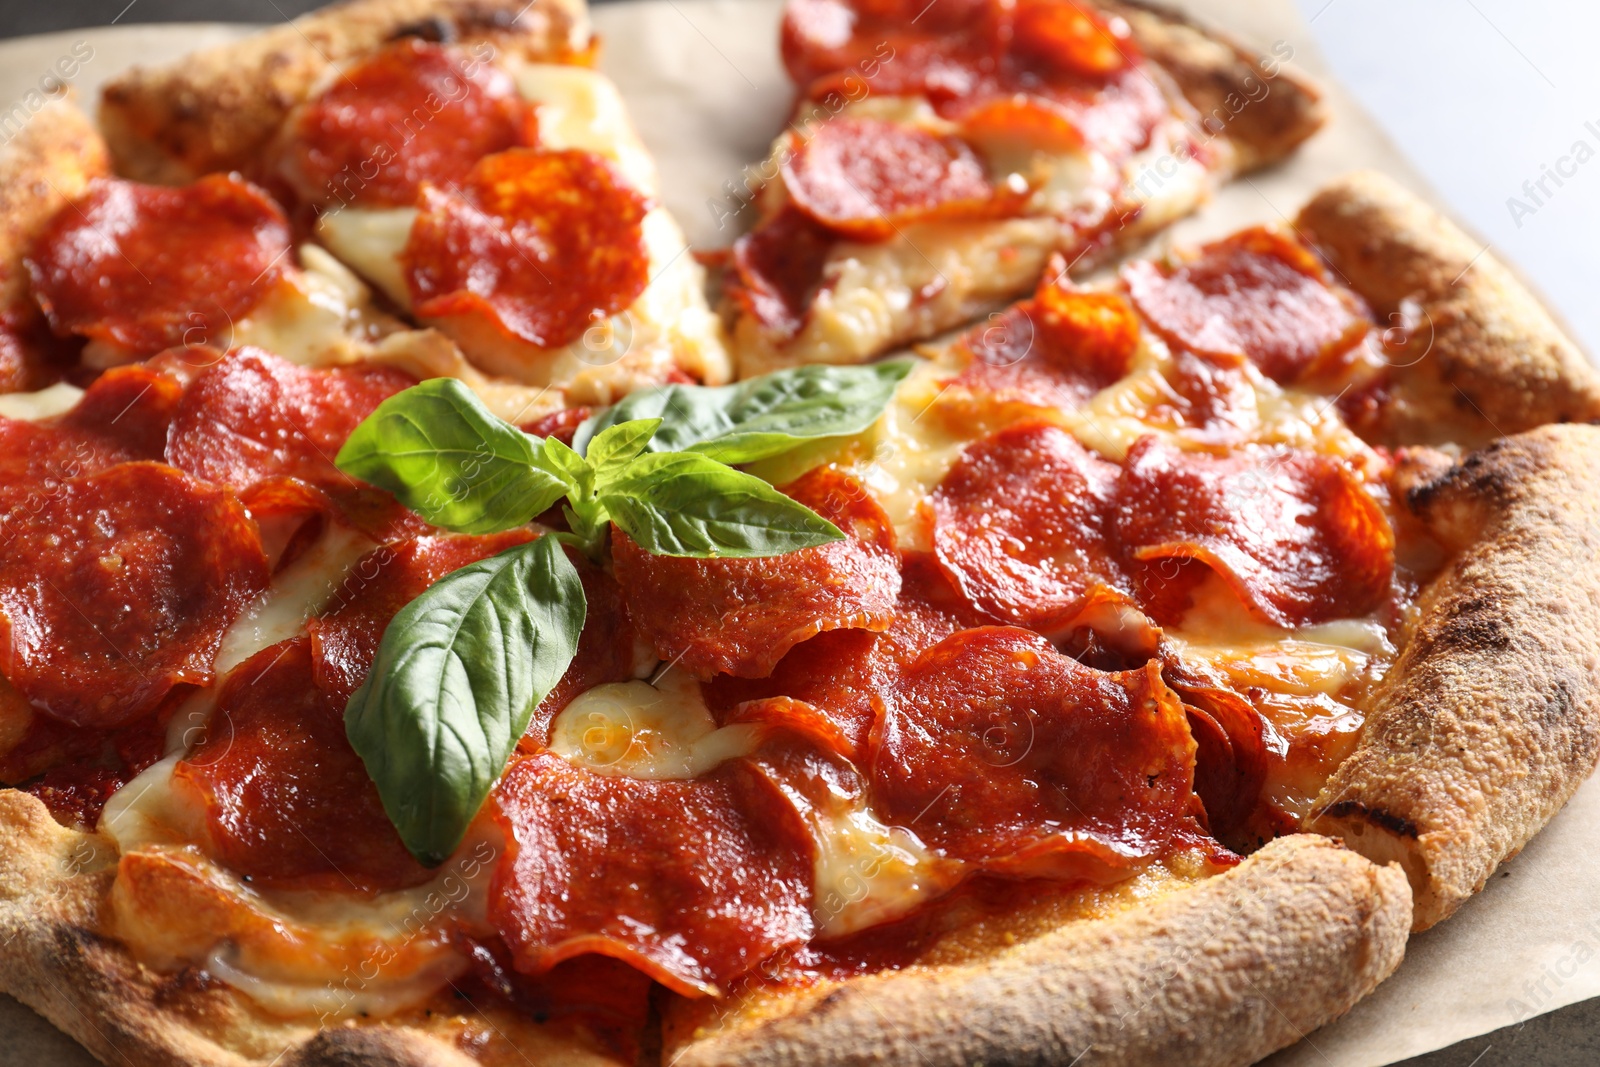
(759, 417)
(613, 448)
(458, 674)
(448, 458)
(685, 504)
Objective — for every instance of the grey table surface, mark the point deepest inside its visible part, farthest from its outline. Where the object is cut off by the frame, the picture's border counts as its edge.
(1530, 33)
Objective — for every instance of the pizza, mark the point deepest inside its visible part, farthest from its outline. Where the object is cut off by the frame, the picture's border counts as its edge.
(436, 633)
(938, 157)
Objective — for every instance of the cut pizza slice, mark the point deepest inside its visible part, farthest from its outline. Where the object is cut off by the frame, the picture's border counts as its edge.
(469, 163)
(938, 157)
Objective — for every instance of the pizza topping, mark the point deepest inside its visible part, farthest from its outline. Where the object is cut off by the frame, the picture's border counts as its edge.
(964, 57)
(1295, 534)
(255, 416)
(829, 686)
(1054, 351)
(1019, 524)
(1256, 295)
(777, 268)
(1210, 400)
(1000, 751)
(694, 882)
(118, 586)
(740, 616)
(149, 267)
(865, 178)
(345, 637)
(288, 801)
(415, 112)
(543, 243)
(132, 405)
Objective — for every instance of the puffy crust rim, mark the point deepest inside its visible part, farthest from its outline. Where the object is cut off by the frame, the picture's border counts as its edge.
(1222, 973)
(1490, 719)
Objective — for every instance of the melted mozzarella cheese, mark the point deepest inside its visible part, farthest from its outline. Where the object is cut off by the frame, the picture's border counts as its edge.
(44, 404)
(581, 108)
(370, 240)
(639, 730)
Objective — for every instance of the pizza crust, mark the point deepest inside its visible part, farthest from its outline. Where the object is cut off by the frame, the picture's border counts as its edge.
(216, 109)
(1479, 358)
(1490, 719)
(54, 884)
(1219, 974)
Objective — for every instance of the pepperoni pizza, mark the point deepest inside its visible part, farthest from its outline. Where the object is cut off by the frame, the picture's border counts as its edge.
(418, 650)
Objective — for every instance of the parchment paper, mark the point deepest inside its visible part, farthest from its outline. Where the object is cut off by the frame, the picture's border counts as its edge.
(705, 88)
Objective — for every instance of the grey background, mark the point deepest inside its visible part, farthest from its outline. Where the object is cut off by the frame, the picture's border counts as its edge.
(1483, 95)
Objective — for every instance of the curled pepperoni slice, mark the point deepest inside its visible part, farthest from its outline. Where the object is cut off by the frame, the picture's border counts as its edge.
(1019, 524)
(120, 586)
(740, 616)
(865, 178)
(1066, 36)
(542, 243)
(693, 882)
(415, 112)
(778, 267)
(1256, 295)
(1073, 74)
(1296, 536)
(255, 416)
(345, 637)
(998, 750)
(288, 802)
(840, 675)
(146, 266)
(1054, 351)
(1211, 400)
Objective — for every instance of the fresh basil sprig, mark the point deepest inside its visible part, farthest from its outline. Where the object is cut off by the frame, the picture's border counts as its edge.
(461, 669)
(759, 417)
(458, 675)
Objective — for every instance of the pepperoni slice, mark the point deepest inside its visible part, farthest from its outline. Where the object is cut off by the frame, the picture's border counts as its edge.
(415, 112)
(541, 243)
(739, 616)
(1054, 351)
(345, 637)
(778, 267)
(839, 676)
(1064, 36)
(1211, 401)
(255, 416)
(120, 586)
(693, 882)
(288, 802)
(1078, 75)
(865, 178)
(1256, 295)
(1231, 760)
(1296, 536)
(148, 266)
(1000, 751)
(1019, 524)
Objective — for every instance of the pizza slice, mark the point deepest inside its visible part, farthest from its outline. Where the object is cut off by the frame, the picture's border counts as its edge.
(938, 156)
(467, 161)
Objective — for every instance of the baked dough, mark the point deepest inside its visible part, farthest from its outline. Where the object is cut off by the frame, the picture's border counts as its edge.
(1219, 974)
(1473, 355)
(1490, 719)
